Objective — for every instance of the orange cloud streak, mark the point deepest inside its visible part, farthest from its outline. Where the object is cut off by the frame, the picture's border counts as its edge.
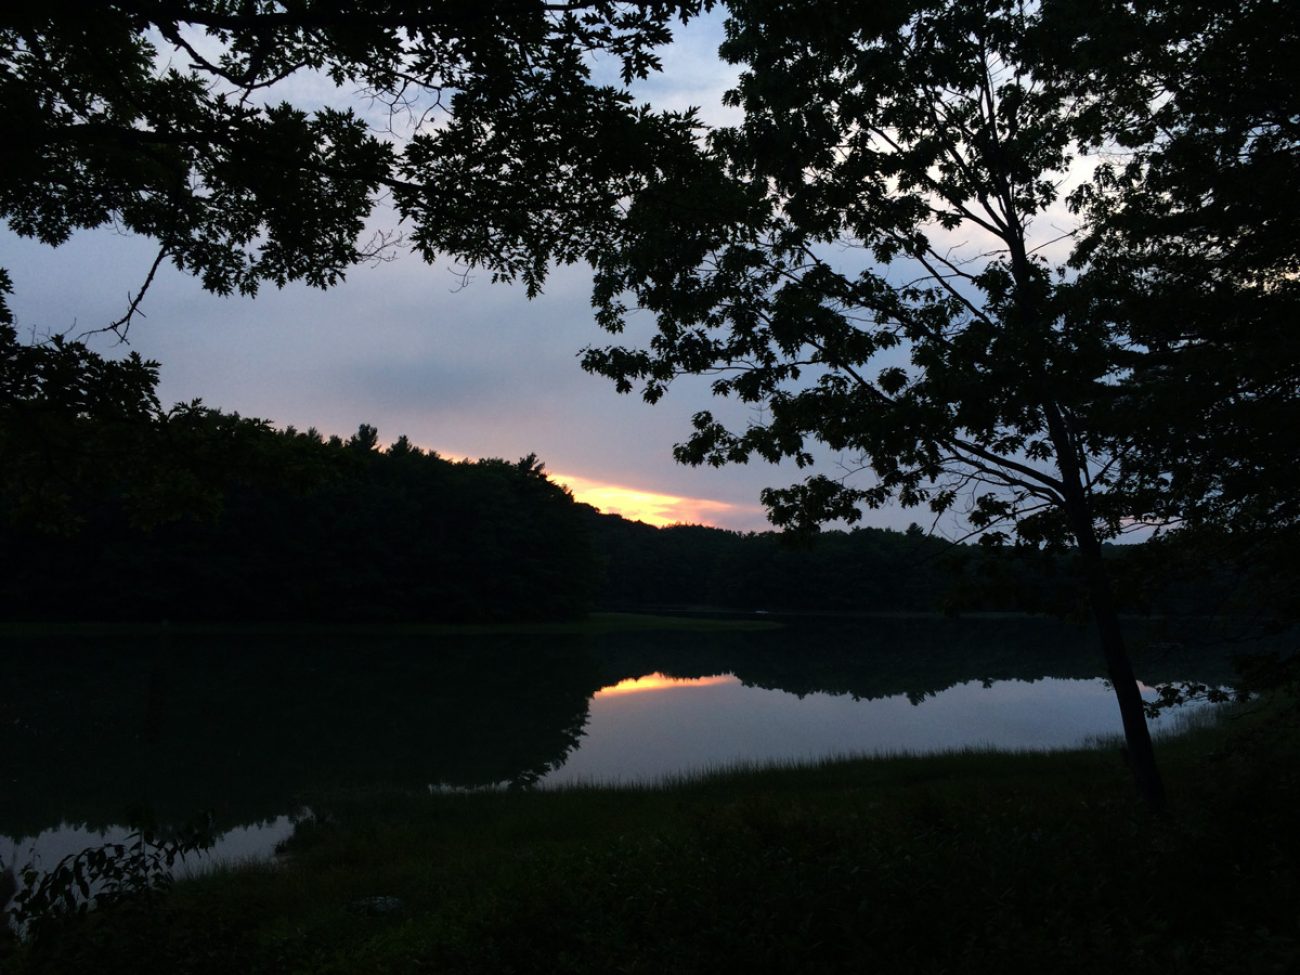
(660, 682)
(648, 506)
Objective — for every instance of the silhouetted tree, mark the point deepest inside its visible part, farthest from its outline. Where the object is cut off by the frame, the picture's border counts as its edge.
(960, 357)
(191, 513)
(1190, 253)
(149, 117)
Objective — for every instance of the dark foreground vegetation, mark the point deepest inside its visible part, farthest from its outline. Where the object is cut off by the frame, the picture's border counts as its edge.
(971, 862)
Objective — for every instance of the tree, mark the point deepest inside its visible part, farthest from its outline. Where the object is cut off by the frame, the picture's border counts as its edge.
(148, 115)
(48, 394)
(959, 346)
(972, 363)
(162, 118)
(1193, 254)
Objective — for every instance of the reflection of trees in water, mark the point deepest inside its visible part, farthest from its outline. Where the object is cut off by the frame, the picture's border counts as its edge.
(873, 657)
(94, 727)
(252, 727)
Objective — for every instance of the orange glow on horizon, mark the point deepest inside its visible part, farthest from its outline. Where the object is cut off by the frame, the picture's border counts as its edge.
(650, 507)
(661, 682)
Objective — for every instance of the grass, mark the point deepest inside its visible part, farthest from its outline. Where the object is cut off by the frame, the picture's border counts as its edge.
(974, 861)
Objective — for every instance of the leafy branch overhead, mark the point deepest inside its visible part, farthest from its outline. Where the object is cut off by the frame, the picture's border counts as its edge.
(1023, 264)
(1033, 266)
(1008, 260)
(163, 119)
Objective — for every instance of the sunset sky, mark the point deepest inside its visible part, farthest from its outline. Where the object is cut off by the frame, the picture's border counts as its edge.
(474, 371)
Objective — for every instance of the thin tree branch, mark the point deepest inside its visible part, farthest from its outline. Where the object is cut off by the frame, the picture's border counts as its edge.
(122, 326)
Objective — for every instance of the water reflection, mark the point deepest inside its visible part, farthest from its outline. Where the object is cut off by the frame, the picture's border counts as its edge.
(99, 731)
(254, 841)
(692, 726)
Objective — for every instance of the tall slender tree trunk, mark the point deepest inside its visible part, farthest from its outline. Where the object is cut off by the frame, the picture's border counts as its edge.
(1072, 466)
(1137, 736)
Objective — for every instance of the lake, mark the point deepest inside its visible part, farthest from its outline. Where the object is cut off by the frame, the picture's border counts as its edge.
(250, 729)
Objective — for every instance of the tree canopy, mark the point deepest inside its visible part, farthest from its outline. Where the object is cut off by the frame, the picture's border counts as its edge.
(169, 120)
(905, 130)
(112, 507)
(997, 254)
(1032, 265)
(1191, 251)
(939, 141)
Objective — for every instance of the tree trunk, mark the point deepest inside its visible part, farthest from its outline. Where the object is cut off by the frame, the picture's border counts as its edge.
(1072, 466)
(1137, 737)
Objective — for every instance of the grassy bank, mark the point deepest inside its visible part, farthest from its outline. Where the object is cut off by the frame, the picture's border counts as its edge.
(969, 862)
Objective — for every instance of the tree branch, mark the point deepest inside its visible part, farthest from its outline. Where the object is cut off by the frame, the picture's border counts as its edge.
(122, 326)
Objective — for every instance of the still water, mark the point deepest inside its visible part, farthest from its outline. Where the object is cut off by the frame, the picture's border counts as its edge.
(656, 727)
(250, 730)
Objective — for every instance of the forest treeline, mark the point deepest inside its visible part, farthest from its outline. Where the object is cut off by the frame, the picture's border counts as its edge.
(115, 508)
(863, 570)
(228, 519)
(221, 517)
(874, 570)
(112, 507)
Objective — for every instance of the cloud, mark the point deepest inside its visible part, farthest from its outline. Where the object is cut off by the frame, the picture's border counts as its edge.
(658, 509)
(660, 682)
(693, 75)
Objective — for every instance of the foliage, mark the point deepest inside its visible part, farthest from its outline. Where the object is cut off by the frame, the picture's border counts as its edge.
(967, 367)
(150, 118)
(888, 128)
(863, 570)
(46, 393)
(966, 360)
(102, 877)
(192, 513)
(1189, 249)
(965, 383)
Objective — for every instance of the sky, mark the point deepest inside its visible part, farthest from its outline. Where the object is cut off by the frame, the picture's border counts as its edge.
(476, 371)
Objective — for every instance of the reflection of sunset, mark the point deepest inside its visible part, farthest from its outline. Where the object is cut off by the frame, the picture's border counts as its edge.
(660, 682)
(648, 506)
